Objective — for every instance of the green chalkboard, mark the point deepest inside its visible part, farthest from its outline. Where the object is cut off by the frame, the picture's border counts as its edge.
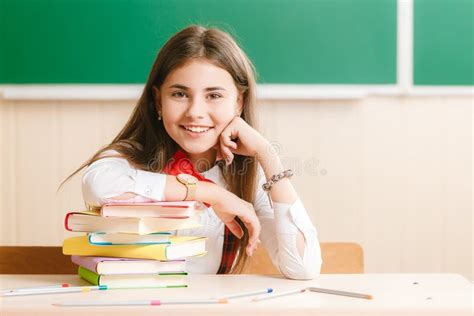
(443, 42)
(116, 41)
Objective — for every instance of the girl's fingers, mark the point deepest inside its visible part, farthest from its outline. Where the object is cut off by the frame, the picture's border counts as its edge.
(227, 154)
(228, 142)
(253, 227)
(250, 248)
(227, 135)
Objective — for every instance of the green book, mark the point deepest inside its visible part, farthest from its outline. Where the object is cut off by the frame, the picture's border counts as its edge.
(155, 280)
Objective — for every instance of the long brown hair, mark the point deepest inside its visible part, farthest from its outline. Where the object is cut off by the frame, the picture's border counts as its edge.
(144, 142)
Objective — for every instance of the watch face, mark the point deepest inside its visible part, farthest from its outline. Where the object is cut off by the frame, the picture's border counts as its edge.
(187, 178)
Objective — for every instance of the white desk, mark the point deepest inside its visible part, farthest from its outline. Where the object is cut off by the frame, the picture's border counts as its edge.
(394, 294)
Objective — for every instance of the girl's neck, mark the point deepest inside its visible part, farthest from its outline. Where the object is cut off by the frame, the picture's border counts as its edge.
(203, 162)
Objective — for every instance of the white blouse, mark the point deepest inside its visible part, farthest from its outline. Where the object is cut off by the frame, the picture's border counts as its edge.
(110, 177)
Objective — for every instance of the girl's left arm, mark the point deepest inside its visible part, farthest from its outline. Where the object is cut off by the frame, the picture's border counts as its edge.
(290, 221)
(283, 227)
(282, 191)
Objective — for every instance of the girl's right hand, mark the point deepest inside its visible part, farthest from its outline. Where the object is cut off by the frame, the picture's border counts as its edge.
(227, 207)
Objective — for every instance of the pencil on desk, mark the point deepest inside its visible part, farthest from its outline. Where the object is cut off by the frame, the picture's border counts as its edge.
(137, 302)
(58, 290)
(266, 297)
(51, 286)
(343, 293)
(55, 286)
(252, 293)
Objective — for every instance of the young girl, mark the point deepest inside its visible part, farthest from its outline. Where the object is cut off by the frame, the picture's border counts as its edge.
(190, 137)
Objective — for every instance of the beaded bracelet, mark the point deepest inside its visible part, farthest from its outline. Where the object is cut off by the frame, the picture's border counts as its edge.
(277, 177)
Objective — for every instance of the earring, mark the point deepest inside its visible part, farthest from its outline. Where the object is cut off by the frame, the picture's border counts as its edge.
(159, 115)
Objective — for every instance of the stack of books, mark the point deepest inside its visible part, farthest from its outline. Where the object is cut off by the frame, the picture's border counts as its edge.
(130, 244)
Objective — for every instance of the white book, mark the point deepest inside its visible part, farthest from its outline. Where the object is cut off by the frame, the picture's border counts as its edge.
(92, 222)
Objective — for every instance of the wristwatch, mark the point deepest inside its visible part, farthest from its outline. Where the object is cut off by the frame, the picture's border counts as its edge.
(190, 182)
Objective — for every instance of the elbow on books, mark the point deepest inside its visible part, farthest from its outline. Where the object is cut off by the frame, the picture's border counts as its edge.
(92, 197)
(309, 272)
(96, 194)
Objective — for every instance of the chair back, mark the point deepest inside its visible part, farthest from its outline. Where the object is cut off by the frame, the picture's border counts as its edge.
(35, 260)
(337, 258)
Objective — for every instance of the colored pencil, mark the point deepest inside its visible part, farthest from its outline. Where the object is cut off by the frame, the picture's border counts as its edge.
(244, 294)
(275, 295)
(342, 293)
(137, 302)
(74, 289)
(36, 287)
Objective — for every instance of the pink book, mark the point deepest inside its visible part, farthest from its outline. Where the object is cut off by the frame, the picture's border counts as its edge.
(108, 265)
(179, 209)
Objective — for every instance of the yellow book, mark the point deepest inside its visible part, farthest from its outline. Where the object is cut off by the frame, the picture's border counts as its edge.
(180, 247)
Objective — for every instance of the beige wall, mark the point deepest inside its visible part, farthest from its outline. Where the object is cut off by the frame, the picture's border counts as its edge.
(391, 173)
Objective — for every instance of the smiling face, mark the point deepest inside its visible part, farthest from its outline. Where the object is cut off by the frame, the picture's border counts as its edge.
(197, 101)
